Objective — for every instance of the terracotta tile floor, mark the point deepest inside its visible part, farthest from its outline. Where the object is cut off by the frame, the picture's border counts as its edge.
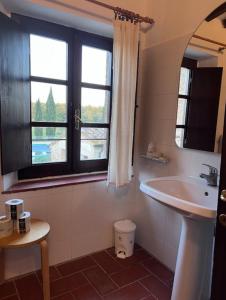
(98, 276)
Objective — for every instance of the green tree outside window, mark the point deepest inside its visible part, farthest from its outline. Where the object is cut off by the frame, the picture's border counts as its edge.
(50, 113)
(38, 131)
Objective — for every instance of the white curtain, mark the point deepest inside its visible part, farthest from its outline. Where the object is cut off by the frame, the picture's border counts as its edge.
(125, 55)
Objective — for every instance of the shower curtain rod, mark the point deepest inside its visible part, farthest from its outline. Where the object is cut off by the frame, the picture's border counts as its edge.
(223, 46)
(126, 13)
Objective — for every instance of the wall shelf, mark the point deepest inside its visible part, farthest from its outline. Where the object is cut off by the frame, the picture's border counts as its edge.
(162, 160)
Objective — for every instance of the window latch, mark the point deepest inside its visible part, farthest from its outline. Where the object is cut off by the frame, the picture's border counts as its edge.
(78, 120)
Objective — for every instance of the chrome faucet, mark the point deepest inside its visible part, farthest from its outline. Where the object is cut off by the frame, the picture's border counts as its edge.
(212, 176)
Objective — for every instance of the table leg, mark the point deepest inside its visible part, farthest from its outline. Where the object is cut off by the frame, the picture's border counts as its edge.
(45, 269)
(2, 265)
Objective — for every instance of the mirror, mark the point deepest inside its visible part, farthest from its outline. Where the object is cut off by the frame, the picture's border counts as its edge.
(202, 87)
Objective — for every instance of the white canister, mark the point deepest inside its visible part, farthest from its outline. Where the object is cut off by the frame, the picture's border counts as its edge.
(6, 226)
(124, 238)
(14, 208)
(23, 224)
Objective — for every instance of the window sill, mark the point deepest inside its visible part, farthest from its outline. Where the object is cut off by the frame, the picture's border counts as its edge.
(35, 185)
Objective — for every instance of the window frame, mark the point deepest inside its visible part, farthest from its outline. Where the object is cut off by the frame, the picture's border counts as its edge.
(90, 40)
(66, 124)
(190, 64)
(75, 39)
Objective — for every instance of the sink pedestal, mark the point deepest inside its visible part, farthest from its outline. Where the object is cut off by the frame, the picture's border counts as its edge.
(197, 204)
(194, 260)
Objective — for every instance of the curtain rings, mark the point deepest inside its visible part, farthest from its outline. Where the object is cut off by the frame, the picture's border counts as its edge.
(127, 16)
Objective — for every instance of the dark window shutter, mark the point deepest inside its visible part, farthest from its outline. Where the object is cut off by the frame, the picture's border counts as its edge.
(14, 96)
(203, 109)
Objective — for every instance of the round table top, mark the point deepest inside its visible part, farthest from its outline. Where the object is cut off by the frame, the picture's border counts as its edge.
(39, 231)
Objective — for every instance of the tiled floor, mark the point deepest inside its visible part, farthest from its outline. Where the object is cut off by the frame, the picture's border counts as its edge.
(98, 276)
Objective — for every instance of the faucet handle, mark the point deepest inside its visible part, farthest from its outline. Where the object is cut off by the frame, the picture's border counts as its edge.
(212, 170)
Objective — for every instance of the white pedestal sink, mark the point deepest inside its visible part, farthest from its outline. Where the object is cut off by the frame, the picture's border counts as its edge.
(197, 204)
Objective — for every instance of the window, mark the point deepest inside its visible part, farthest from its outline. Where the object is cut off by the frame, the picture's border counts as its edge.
(95, 103)
(183, 99)
(49, 86)
(71, 85)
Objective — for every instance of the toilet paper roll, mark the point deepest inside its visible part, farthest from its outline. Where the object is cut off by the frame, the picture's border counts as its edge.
(6, 226)
(23, 224)
(14, 208)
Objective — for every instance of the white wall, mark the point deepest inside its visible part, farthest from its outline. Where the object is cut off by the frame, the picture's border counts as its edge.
(4, 10)
(159, 227)
(79, 14)
(81, 219)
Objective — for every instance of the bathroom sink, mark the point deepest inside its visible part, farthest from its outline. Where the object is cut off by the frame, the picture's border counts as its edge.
(187, 195)
(196, 202)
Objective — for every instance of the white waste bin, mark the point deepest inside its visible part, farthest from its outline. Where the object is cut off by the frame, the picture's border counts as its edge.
(124, 238)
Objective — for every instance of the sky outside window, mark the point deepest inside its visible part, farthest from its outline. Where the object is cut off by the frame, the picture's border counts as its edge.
(48, 57)
(96, 66)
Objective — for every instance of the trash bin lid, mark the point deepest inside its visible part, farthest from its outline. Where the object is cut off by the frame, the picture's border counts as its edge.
(125, 226)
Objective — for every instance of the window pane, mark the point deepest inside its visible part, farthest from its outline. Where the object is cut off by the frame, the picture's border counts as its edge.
(95, 106)
(96, 66)
(48, 57)
(94, 143)
(180, 137)
(48, 102)
(184, 81)
(49, 144)
(181, 111)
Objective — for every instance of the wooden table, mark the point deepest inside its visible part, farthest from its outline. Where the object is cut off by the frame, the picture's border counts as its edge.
(37, 235)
